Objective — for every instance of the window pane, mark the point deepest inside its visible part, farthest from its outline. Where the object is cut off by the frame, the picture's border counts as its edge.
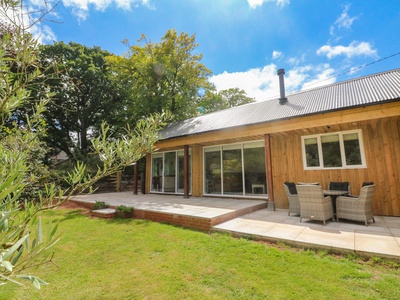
(169, 172)
(157, 169)
(232, 167)
(312, 156)
(212, 164)
(254, 171)
(331, 151)
(352, 149)
(181, 172)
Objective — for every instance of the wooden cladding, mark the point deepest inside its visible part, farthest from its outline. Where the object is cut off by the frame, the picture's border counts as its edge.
(381, 139)
(308, 123)
(380, 125)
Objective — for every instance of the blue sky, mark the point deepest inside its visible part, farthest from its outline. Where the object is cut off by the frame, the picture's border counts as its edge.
(244, 42)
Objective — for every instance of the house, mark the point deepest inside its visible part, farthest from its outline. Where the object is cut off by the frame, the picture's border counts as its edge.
(347, 131)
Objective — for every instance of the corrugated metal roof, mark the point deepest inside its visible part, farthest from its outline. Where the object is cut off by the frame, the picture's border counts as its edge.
(368, 90)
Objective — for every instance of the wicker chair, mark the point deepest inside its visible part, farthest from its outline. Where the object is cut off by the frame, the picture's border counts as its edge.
(313, 204)
(357, 209)
(293, 198)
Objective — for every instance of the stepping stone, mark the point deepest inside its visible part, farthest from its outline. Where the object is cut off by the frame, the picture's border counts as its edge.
(106, 213)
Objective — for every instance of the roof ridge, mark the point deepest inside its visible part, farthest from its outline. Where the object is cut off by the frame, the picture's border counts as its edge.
(342, 82)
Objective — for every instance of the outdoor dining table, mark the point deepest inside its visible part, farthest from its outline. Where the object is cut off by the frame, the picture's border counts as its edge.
(334, 194)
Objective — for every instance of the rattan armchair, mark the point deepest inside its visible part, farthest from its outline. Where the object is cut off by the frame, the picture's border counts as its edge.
(356, 208)
(313, 204)
(293, 198)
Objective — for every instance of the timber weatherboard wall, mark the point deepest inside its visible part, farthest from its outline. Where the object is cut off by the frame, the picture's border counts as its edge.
(380, 125)
(370, 104)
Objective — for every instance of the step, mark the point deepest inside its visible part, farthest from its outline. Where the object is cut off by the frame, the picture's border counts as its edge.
(105, 213)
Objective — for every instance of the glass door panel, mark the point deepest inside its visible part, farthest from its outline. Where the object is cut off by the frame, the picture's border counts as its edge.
(232, 169)
(181, 172)
(254, 169)
(156, 173)
(212, 166)
(169, 172)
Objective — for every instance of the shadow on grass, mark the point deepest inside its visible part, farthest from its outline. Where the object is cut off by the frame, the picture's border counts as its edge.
(127, 220)
(73, 214)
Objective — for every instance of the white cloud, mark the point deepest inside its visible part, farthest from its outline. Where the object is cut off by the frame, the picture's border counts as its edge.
(277, 54)
(263, 83)
(295, 61)
(27, 15)
(255, 3)
(259, 83)
(325, 75)
(43, 34)
(354, 49)
(81, 7)
(345, 21)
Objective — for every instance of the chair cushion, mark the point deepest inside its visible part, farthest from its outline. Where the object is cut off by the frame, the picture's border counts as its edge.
(339, 186)
(292, 187)
(367, 183)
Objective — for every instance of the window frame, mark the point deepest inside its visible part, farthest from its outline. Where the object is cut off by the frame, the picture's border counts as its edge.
(161, 154)
(342, 150)
(220, 148)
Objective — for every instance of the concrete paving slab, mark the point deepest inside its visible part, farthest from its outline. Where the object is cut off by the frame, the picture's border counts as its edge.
(376, 245)
(380, 238)
(328, 238)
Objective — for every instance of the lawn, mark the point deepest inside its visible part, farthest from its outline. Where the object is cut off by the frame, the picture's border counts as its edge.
(135, 259)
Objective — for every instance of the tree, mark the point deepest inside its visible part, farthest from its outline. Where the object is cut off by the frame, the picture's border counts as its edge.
(224, 99)
(164, 75)
(22, 238)
(84, 96)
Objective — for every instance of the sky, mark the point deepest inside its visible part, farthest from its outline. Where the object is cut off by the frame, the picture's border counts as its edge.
(245, 42)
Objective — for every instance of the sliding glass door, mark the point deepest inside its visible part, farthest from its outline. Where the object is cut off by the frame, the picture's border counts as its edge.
(232, 170)
(167, 172)
(157, 172)
(235, 169)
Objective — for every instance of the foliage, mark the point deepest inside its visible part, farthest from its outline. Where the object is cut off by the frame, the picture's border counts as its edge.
(149, 260)
(100, 205)
(124, 208)
(84, 96)
(24, 243)
(159, 76)
(21, 235)
(212, 101)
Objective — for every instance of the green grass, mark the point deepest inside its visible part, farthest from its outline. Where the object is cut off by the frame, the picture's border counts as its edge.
(134, 259)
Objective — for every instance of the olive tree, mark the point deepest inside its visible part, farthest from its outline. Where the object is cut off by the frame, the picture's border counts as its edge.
(24, 241)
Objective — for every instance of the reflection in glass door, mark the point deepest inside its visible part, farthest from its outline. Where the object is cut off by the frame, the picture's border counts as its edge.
(212, 164)
(232, 169)
(167, 172)
(156, 173)
(254, 168)
(181, 172)
(235, 169)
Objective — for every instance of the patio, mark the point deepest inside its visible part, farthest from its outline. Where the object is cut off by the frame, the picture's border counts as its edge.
(250, 218)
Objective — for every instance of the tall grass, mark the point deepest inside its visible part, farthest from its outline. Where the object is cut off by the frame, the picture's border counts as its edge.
(134, 259)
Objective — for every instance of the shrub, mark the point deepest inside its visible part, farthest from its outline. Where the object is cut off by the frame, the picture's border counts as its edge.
(100, 205)
(124, 208)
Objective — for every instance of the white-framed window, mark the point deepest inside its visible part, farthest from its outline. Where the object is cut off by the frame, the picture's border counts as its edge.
(336, 150)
